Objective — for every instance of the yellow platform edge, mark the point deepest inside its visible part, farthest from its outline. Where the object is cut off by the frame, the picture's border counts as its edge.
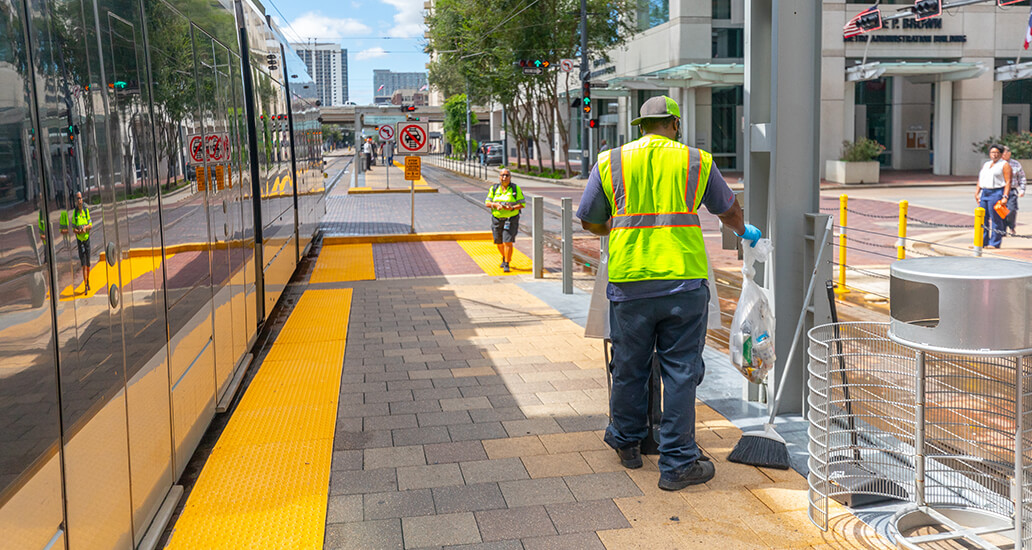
(411, 237)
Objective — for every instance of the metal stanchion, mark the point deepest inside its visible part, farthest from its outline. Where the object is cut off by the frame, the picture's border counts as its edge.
(843, 205)
(979, 236)
(567, 203)
(538, 224)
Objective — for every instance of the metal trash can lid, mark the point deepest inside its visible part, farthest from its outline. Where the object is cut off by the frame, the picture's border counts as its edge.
(962, 304)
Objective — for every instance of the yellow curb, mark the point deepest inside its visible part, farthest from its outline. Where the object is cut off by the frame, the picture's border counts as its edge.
(371, 191)
(412, 237)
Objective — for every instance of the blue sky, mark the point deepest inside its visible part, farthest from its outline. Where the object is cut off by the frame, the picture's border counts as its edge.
(378, 34)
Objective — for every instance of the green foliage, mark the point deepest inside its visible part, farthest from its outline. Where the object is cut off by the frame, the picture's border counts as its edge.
(552, 174)
(1020, 144)
(455, 122)
(861, 150)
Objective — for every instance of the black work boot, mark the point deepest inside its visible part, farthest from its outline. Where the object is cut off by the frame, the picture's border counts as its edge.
(700, 471)
(630, 457)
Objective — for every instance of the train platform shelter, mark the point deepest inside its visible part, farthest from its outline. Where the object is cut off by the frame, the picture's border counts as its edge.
(408, 394)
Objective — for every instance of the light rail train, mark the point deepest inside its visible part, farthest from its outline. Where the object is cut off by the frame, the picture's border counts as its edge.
(191, 130)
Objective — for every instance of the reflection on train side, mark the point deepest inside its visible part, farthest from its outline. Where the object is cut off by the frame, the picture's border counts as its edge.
(110, 375)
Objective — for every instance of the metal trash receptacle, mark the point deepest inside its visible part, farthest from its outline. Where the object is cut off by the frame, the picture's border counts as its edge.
(958, 347)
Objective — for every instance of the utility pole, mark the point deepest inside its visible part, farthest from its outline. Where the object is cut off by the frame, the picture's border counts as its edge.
(584, 73)
(469, 134)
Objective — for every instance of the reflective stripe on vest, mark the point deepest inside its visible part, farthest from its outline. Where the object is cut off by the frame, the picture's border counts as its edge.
(654, 186)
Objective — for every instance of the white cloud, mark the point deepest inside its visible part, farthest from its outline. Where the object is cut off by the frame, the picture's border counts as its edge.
(408, 22)
(371, 53)
(316, 25)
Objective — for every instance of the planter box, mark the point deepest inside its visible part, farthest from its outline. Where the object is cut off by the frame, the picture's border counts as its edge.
(840, 171)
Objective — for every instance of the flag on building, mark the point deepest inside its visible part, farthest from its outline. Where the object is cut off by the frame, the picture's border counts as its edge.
(380, 89)
(425, 87)
(853, 28)
(1028, 31)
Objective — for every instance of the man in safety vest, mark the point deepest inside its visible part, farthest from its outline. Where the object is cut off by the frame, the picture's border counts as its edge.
(645, 196)
(81, 225)
(505, 200)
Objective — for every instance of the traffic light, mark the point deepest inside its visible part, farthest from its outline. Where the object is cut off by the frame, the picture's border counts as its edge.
(271, 59)
(72, 130)
(592, 123)
(586, 98)
(407, 108)
(539, 63)
(926, 9)
(117, 85)
(866, 21)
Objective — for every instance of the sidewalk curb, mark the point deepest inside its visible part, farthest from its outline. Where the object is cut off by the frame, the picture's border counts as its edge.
(408, 238)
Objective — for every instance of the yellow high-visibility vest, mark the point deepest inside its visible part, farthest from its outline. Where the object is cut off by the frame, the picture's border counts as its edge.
(655, 186)
(81, 218)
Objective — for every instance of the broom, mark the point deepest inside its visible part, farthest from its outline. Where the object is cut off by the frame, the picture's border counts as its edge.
(766, 448)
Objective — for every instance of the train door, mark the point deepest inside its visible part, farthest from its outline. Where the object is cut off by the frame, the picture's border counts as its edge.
(31, 499)
(244, 207)
(215, 130)
(133, 259)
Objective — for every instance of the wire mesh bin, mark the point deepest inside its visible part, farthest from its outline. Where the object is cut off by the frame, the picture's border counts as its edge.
(933, 408)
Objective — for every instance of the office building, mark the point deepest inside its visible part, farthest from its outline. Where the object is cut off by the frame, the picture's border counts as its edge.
(386, 82)
(328, 64)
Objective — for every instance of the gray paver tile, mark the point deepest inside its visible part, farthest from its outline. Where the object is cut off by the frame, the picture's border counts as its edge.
(468, 498)
(363, 388)
(436, 393)
(398, 504)
(531, 426)
(383, 534)
(393, 457)
(497, 414)
(363, 481)
(529, 492)
(430, 476)
(502, 469)
(346, 441)
(583, 423)
(584, 517)
(575, 541)
(601, 486)
(368, 409)
(444, 529)
(421, 436)
(443, 418)
(388, 396)
(457, 451)
(493, 389)
(414, 407)
(455, 382)
(496, 545)
(346, 460)
(344, 509)
(523, 522)
(407, 384)
(484, 430)
(465, 403)
(391, 422)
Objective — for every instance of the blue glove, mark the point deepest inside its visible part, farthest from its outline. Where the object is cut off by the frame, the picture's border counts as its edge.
(751, 234)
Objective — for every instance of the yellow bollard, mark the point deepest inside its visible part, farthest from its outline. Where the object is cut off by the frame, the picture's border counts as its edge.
(979, 220)
(901, 246)
(841, 287)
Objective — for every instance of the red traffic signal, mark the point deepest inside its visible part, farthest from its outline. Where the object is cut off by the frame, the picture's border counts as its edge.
(408, 108)
(866, 21)
(927, 9)
(592, 123)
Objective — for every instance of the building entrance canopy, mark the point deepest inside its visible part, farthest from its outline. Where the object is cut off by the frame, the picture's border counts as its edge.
(918, 73)
(1019, 71)
(690, 75)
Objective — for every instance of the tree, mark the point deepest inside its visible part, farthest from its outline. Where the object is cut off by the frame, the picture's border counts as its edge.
(479, 42)
(455, 122)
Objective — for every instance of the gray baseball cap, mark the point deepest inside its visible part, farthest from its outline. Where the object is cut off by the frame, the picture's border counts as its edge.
(657, 107)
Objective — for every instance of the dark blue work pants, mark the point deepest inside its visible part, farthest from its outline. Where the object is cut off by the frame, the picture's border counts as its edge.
(992, 227)
(675, 326)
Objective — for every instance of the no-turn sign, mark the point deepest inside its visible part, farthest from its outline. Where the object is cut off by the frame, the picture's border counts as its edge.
(413, 138)
(386, 133)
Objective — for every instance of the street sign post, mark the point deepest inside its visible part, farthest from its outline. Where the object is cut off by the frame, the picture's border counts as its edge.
(533, 70)
(413, 138)
(599, 84)
(386, 133)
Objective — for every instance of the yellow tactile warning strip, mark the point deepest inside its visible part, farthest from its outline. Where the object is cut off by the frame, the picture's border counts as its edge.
(266, 483)
(485, 254)
(130, 268)
(344, 262)
(421, 182)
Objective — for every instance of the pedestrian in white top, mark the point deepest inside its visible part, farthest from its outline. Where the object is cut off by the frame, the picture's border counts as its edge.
(1018, 185)
(994, 183)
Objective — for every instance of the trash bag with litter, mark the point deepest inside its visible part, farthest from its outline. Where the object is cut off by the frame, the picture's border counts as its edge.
(752, 328)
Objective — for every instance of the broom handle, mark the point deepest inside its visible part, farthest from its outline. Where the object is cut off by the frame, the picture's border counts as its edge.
(799, 324)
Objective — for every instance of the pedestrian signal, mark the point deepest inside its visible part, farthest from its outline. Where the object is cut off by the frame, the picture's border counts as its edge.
(592, 123)
(927, 9)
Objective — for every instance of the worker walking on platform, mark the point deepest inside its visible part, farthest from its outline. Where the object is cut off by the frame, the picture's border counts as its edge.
(645, 196)
(82, 225)
(505, 200)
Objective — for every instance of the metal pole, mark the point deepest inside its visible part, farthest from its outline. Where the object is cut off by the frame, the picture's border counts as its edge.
(567, 245)
(469, 133)
(537, 210)
(979, 235)
(584, 72)
(919, 431)
(412, 201)
(901, 247)
(505, 137)
(1019, 456)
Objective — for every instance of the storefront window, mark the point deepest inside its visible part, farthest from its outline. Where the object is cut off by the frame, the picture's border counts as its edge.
(875, 98)
(726, 106)
(721, 9)
(728, 43)
(652, 13)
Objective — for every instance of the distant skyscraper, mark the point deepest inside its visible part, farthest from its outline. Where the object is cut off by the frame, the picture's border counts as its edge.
(386, 82)
(328, 65)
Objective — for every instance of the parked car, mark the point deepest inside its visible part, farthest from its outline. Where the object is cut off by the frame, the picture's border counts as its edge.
(494, 154)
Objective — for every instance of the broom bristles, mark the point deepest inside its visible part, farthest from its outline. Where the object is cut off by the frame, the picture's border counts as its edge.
(766, 449)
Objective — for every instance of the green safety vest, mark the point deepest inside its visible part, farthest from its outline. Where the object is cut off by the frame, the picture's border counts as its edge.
(655, 186)
(510, 195)
(81, 218)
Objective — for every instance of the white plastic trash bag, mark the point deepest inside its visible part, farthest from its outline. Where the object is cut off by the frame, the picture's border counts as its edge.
(713, 318)
(752, 329)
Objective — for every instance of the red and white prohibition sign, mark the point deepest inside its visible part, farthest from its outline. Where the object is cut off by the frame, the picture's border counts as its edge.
(386, 133)
(413, 138)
